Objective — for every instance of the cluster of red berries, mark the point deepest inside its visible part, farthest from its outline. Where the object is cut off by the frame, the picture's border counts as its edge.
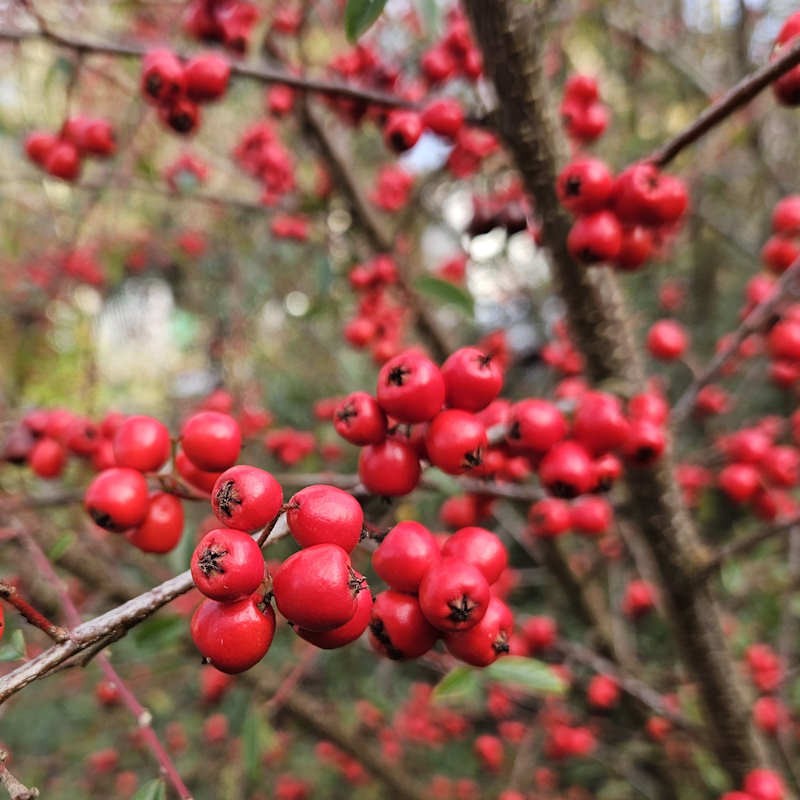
(786, 88)
(560, 353)
(455, 54)
(178, 89)
(412, 390)
(290, 226)
(783, 247)
(379, 322)
(620, 220)
(61, 155)
(262, 155)
(506, 208)
(583, 114)
(403, 127)
(229, 22)
(289, 445)
(759, 784)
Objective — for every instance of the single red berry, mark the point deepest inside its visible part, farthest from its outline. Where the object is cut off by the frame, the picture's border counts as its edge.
(639, 599)
(480, 547)
(181, 115)
(607, 470)
(246, 498)
(581, 87)
(390, 468)
(472, 379)
(644, 195)
(233, 637)
(404, 555)
(316, 588)
(595, 237)
(38, 146)
(779, 253)
(438, 64)
(489, 750)
(63, 161)
(453, 595)
(198, 478)
(227, 565)
(540, 633)
(651, 406)
(787, 87)
(162, 527)
(786, 215)
(360, 420)
(646, 442)
(486, 641)
(344, 634)
(163, 79)
(549, 517)
(410, 387)
(535, 425)
(141, 443)
(206, 77)
(636, 248)
(603, 692)
(567, 470)
(445, 117)
(764, 784)
(47, 457)
(591, 515)
(398, 628)
(741, 482)
(667, 340)
(784, 340)
(321, 514)
(117, 499)
(455, 441)
(211, 440)
(781, 466)
(585, 185)
(402, 129)
(599, 423)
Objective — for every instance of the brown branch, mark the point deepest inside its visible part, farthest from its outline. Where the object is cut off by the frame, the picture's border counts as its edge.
(11, 595)
(736, 97)
(15, 789)
(788, 286)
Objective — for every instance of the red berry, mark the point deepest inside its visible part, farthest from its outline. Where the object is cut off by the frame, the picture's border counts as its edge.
(246, 498)
(47, 458)
(455, 440)
(198, 478)
(316, 588)
(787, 87)
(596, 237)
(591, 515)
(540, 633)
(567, 470)
(344, 634)
(404, 555)
(581, 87)
(599, 422)
(636, 248)
(398, 628)
(602, 692)
(453, 595)
(181, 115)
(321, 514)
(444, 117)
(585, 185)
(63, 161)
(764, 784)
(486, 641)
(667, 340)
(489, 750)
(206, 77)
(211, 440)
(786, 215)
(38, 146)
(646, 442)
(741, 482)
(233, 636)
(784, 340)
(480, 547)
(141, 443)
(550, 517)
(163, 79)
(117, 499)
(472, 379)
(360, 420)
(162, 527)
(535, 425)
(390, 468)
(639, 599)
(402, 130)
(227, 565)
(410, 387)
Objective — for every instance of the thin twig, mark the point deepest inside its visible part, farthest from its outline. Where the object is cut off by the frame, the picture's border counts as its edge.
(12, 596)
(15, 789)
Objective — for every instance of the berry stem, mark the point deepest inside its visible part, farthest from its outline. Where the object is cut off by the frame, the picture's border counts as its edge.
(10, 594)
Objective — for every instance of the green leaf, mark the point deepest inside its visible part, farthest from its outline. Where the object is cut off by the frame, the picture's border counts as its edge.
(159, 632)
(526, 673)
(460, 684)
(154, 790)
(15, 649)
(256, 737)
(446, 292)
(360, 15)
(60, 546)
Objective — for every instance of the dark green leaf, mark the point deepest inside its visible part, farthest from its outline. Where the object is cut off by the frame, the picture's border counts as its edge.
(152, 791)
(525, 673)
(60, 546)
(360, 15)
(460, 684)
(446, 292)
(160, 631)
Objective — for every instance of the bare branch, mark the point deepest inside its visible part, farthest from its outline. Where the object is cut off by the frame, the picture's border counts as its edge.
(15, 789)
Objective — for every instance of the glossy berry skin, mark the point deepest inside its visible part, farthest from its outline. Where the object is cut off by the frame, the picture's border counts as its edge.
(455, 441)
(410, 387)
(599, 423)
(786, 215)
(38, 145)
(540, 633)
(603, 692)
(402, 130)
(206, 77)
(784, 340)
(591, 515)
(595, 238)
(321, 514)
(246, 498)
(117, 499)
(535, 425)
(398, 628)
(741, 482)
(227, 565)
(550, 517)
(472, 379)
(667, 340)
(162, 527)
(163, 79)
(486, 641)
(445, 117)
(787, 87)
(637, 246)
(47, 458)
(644, 195)
(316, 588)
(198, 478)
(639, 599)
(63, 161)
(181, 115)
(360, 420)
(646, 442)
(390, 468)
(344, 634)
(141, 443)
(233, 636)
(567, 470)
(764, 784)
(211, 440)
(585, 185)
(479, 547)
(453, 595)
(405, 555)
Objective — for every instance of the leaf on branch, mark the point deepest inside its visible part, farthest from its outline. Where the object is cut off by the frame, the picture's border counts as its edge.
(15, 649)
(528, 674)
(360, 15)
(461, 684)
(154, 790)
(446, 292)
(159, 632)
